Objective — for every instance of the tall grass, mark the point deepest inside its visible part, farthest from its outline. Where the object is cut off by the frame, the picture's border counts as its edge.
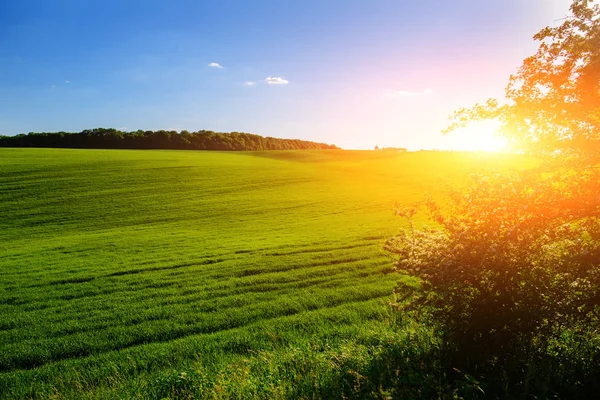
(209, 274)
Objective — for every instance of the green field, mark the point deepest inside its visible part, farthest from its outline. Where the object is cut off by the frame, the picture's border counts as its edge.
(169, 273)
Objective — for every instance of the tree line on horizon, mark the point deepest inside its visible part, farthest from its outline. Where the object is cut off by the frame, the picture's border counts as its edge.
(110, 138)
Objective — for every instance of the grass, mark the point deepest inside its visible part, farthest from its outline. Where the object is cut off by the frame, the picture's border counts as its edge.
(253, 274)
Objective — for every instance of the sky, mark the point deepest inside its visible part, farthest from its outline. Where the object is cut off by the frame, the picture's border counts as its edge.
(355, 73)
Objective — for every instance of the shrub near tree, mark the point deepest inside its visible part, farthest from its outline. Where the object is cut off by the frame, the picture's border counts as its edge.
(511, 273)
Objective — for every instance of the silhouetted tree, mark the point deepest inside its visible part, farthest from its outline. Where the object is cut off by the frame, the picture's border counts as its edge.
(512, 271)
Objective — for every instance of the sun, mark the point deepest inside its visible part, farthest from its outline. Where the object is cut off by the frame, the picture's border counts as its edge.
(477, 136)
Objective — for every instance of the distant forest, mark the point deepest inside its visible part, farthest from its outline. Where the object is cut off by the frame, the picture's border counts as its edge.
(101, 138)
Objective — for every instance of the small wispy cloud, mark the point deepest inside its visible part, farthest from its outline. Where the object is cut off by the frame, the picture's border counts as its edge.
(250, 83)
(53, 87)
(215, 65)
(67, 81)
(408, 93)
(276, 80)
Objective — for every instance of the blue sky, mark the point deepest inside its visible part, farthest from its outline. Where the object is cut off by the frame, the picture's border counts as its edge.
(354, 73)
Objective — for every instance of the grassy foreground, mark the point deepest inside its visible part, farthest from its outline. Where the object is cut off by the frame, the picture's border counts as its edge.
(179, 273)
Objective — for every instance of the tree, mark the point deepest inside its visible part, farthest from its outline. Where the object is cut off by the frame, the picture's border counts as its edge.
(511, 272)
(553, 101)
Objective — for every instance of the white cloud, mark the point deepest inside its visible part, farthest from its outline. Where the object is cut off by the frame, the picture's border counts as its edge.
(276, 80)
(215, 65)
(250, 83)
(53, 86)
(67, 81)
(406, 93)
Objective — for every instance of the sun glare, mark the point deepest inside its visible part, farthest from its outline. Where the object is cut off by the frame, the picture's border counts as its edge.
(479, 136)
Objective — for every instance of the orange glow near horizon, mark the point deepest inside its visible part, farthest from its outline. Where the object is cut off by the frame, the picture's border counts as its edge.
(478, 136)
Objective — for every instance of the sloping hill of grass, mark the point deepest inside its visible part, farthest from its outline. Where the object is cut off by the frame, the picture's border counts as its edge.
(250, 272)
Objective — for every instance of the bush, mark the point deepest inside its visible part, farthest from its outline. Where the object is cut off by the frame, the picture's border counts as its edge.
(511, 274)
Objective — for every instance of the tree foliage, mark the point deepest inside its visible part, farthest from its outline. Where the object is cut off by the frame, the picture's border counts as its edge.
(511, 271)
(102, 138)
(552, 106)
